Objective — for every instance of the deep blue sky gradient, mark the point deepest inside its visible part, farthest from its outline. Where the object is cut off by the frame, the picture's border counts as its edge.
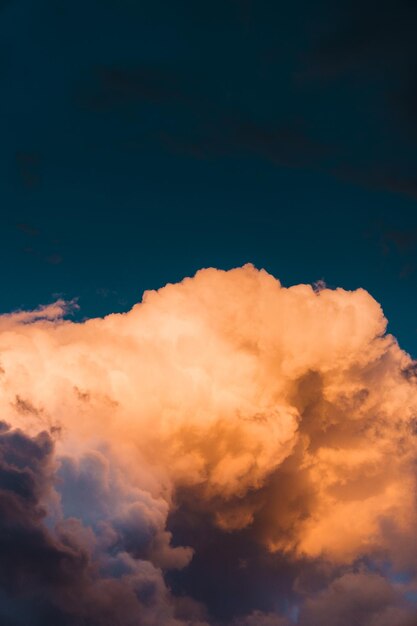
(144, 140)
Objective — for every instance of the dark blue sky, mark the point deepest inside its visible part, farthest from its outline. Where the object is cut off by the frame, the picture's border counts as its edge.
(143, 140)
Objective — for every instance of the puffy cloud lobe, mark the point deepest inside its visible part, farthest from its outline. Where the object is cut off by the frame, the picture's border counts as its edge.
(51, 312)
(262, 619)
(61, 574)
(31, 557)
(286, 415)
(122, 516)
(363, 599)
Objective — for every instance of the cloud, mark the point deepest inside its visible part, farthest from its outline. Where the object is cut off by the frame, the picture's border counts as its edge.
(363, 599)
(226, 433)
(50, 312)
(61, 571)
(262, 619)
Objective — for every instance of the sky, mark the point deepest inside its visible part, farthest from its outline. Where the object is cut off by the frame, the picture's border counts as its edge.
(145, 140)
(208, 316)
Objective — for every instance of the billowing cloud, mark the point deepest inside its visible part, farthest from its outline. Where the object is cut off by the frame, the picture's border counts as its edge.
(224, 424)
(358, 598)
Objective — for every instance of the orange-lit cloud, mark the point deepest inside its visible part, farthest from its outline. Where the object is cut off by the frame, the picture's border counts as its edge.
(288, 413)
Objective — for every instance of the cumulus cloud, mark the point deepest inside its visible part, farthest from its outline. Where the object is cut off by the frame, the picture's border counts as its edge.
(284, 417)
(63, 572)
(363, 599)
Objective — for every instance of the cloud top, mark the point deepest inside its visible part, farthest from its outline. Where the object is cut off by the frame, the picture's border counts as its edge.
(285, 413)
